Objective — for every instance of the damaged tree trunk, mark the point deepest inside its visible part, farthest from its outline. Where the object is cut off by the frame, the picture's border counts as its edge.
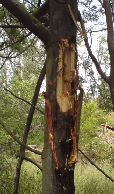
(62, 102)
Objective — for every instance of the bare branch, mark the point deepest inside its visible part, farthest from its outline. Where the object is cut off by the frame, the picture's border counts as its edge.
(103, 29)
(16, 139)
(12, 26)
(91, 162)
(108, 127)
(30, 3)
(5, 60)
(29, 21)
(103, 75)
(17, 41)
(26, 101)
(9, 56)
(100, 1)
(33, 162)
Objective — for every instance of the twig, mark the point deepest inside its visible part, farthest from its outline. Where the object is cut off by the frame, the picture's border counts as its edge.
(27, 127)
(26, 101)
(16, 139)
(91, 162)
(92, 31)
(30, 3)
(33, 162)
(100, 1)
(5, 60)
(108, 127)
(12, 26)
(17, 41)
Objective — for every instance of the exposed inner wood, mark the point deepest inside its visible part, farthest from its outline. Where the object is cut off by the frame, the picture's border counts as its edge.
(66, 91)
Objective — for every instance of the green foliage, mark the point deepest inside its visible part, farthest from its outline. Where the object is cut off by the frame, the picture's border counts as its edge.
(91, 139)
(14, 111)
(104, 98)
(88, 179)
(91, 118)
(30, 181)
(6, 174)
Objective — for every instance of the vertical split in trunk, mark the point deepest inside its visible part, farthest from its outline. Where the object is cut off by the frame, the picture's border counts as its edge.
(66, 95)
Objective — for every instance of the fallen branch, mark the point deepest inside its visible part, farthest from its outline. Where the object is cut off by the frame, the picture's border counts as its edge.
(16, 139)
(91, 162)
(33, 162)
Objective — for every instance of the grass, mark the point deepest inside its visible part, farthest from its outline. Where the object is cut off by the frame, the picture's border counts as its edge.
(88, 180)
(30, 180)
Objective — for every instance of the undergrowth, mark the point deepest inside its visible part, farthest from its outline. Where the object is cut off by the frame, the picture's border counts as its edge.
(88, 180)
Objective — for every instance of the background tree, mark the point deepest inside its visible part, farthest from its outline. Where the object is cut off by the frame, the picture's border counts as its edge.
(108, 10)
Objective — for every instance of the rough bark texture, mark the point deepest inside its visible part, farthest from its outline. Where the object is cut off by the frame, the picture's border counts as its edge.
(112, 92)
(61, 133)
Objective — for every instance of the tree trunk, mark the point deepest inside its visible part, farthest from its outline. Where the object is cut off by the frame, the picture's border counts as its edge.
(111, 79)
(112, 93)
(62, 131)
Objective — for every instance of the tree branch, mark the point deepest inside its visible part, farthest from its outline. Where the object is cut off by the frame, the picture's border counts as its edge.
(108, 127)
(29, 21)
(17, 41)
(33, 162)
(103, 75)
(12, 26)
(41, 11)
(16, 139)
(103, 29)
(100, 1)
(91, 162)
(30, 3)
(26, 101)
(5, 60)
